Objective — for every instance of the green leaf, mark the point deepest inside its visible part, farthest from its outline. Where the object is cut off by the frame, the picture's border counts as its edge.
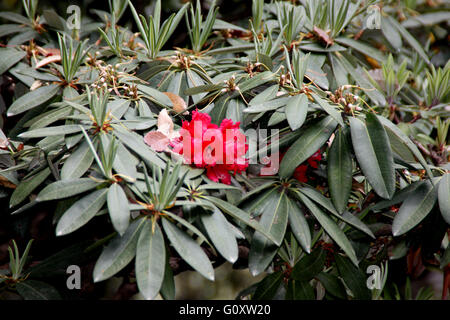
(267, 105)
(309, 266)
(150, 260)
(296, 110)
(299, 225)
(331, 228)
(361, 80)
(299, 290)
(414, 209)
(353, 277)
(346, 216)
(77, 163)
(268, 287)
(118, 253)
(374, 154)
(275, 216)
(340, 171)
(66, 188)
(9, 57)
(403, 137)
(444, 197)
(240, 215)
(331, 110)
(136, 143)
(390, 33)
(398, 197)
(363, 48)
(37, 290)
(168, 285)
(410, 39)
(51, 131)
(27, 186)
(156, 95)
(189, 250)
(81, 212)
(332, 285)
(274, 220)
(306, 145)
(219, 232)
(33, 99)
(266, 95)
(118, 208)
(49, 117)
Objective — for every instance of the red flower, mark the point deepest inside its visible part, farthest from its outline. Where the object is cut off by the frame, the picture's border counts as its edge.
(314, 159)
(218, 149)
(300, 172)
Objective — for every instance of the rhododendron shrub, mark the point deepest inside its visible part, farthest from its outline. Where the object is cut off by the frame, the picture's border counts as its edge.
(306, 145)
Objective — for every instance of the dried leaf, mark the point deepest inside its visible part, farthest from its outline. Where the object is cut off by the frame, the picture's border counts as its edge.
(323, 35)
(48, 51)
(6, 183)
(156, 140)
(36, 84)
(179, 105)
(47, 60)
(159, 140)
(165, 125)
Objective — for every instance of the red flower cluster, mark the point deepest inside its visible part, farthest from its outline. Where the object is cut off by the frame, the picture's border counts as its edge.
(219, 149)
(313, 162)
(300, 171)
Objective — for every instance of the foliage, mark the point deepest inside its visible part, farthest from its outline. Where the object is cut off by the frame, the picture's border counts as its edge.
(363, 122)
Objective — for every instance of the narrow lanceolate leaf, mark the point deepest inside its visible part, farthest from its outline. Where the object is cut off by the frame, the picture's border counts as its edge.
(33, 99)
(333, 285)
(444, 197)
(296, 110)
(9, 57)
(299, 226)
(331, 110)
(118, 208)
(273, 220)
(310, 265)
(240, 215)
(189, 250)
(390, 33)
(37, 290)
(363, 48)
(361, 80)
(81, 212)
(275, 217)
(306, 145)
(66, 188)
(118, 253)
(136, 144)
(268, 287)
(340, 171)
(300, 290)
(150, 260)
(331, 228)
(51, 131)
(77, 163)
(25, 187)
(158, 96)
(354, 278)
(346, 216)
(374, 154)
(410, 39)
(415, 208)
(411, 146)
(219, 232)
